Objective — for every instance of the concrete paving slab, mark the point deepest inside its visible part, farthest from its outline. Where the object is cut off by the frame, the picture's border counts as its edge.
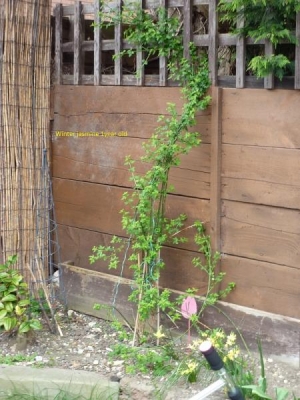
(49, 383)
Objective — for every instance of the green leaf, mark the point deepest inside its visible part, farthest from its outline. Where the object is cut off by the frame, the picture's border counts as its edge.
(23, 303)
(24, 327)
(19, 310)
(2, 288)
(35, 324)
(9, 297)
(9, 323)
(3, 314)
(281, 393)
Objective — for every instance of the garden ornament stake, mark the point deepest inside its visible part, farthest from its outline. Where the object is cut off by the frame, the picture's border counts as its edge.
(189, 308)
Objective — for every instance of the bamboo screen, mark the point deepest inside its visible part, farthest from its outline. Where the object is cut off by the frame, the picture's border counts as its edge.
(24, 118)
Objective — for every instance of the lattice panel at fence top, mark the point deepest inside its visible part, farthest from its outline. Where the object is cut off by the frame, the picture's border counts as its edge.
(84, 55)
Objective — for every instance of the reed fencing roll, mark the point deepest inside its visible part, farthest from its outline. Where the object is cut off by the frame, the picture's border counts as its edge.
(24, 135)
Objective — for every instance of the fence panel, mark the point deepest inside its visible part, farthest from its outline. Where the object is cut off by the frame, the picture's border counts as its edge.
(102, 70)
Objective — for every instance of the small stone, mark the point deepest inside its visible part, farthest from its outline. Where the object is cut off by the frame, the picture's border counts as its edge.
(90, 336)
(114, 378)
(38, 358)
(270, 360)
(90, 348)
(70, 313)
(96, 362)
(80, 351)
(118, 362)
(88, 355)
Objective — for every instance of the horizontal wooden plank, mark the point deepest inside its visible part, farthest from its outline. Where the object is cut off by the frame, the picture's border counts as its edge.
(261, 233)
(101, 160)
(109, 80)
(97, 207)
(84, 288)
(136, 125)
(263, 286)
(178, 274)
(109, 99)
(89, 8)
(261, 118)
(261, 192)
(265, 164)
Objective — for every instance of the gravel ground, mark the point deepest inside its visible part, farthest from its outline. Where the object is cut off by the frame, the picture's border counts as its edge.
(86, 344)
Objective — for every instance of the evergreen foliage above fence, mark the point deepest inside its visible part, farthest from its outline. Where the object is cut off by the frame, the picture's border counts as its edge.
(84, 55)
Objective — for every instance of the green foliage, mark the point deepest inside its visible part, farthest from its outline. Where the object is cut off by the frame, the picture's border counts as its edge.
(264, 65)
(16, 358)
(210, 268)
(230, 352)
(259, 391)
(157, 361)
(144, 218)
(273, 20)
(14, 301)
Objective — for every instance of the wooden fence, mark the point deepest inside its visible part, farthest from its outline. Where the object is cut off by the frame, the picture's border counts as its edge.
(78, 45)
(242, 182)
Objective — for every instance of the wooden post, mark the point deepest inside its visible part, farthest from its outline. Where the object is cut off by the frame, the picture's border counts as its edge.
(269, 80)
(163, 73)
(97, 44)
(240, 55)
(58, 43)
(297, 56)
(140, 70)
(213, 45)
(187, 27)
(216, 169)
(77, 43)
(118, 46)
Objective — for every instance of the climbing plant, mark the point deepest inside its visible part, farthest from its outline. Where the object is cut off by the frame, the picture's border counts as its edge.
(273, 20)
(144, 215)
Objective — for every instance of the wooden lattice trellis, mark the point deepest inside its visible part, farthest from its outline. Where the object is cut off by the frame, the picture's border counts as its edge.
(212, 40)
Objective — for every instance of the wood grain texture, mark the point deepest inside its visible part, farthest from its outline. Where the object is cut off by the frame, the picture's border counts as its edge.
(58, 44)
(261, 117)
(101, 160)
(84, 288)
(178, 274)
(215, 170)
(263, 286)
(213, 41)
(265, 164)
(261, 233)
(138, 125)
(240, 55)
(261, 192)
(78, 62)
(122, 100)
(97, 44)
(269, 51)
(97, 207)
(297, 55)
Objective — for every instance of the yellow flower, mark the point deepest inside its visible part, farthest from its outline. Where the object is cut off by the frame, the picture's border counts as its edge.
(159, 334)
(195, 344)
(231, 339)
(220, 335)
(232, 354)
(191, 367)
